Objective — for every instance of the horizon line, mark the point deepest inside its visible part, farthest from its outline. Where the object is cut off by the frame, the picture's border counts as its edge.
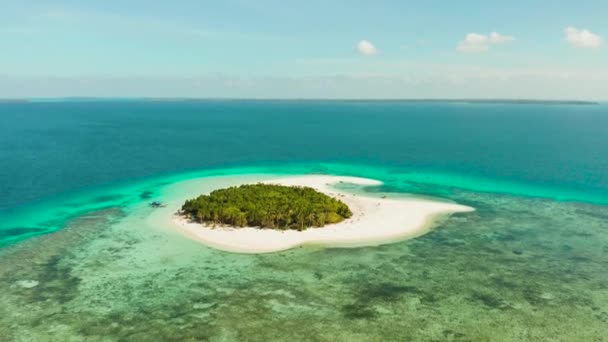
(187, 98)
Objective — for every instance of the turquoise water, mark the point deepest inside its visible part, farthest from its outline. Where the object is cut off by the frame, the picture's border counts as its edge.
(529, 264)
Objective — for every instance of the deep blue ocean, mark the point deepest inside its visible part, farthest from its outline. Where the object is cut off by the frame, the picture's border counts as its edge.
(48, 148)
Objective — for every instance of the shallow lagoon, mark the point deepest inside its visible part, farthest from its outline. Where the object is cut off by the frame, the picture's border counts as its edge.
(519, 268)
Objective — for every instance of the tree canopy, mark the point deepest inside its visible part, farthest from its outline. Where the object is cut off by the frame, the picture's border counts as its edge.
(267, 206)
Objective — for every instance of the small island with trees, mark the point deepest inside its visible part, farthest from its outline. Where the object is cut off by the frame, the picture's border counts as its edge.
(284, 213)
(266, 206)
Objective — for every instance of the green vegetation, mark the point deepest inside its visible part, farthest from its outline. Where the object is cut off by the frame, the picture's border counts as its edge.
(267, 206)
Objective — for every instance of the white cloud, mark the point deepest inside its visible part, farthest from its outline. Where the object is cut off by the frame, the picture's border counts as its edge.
(366, 48)
(496, 38)
(582, 38)
(475, 42)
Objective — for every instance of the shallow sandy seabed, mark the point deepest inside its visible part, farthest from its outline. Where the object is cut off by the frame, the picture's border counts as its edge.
(375, 221)
(515, 269)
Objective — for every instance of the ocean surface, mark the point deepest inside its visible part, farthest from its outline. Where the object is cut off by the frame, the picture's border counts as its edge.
(81, 261)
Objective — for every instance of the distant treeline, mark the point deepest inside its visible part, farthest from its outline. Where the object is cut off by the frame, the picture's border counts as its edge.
(267, 206)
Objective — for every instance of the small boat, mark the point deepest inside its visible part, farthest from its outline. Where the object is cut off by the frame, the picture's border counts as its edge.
(157, 204)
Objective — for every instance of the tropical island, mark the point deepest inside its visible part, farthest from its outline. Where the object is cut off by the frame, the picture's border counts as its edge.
(248, 215)
(267, 206)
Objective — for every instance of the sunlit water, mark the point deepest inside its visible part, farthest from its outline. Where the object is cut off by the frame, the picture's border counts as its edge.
(528, 265)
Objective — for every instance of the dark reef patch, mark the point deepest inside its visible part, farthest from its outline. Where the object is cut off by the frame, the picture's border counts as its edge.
(385, 292)
(489, 300)
(359, 311)
(107, 198)
(146, 194)
(56, 282)
(597, 215)
(17, 231)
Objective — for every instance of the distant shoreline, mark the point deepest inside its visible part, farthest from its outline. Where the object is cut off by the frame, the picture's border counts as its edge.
(189, 99)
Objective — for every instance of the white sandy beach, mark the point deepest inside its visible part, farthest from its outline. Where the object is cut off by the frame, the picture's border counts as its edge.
(375, 221)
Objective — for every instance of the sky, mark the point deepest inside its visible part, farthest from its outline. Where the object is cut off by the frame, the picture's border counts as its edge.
(535, 49)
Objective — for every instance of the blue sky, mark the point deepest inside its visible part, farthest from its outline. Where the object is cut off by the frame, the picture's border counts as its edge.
(316, 49)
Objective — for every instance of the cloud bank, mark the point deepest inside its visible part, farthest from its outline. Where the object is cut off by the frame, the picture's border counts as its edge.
(407, 81)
